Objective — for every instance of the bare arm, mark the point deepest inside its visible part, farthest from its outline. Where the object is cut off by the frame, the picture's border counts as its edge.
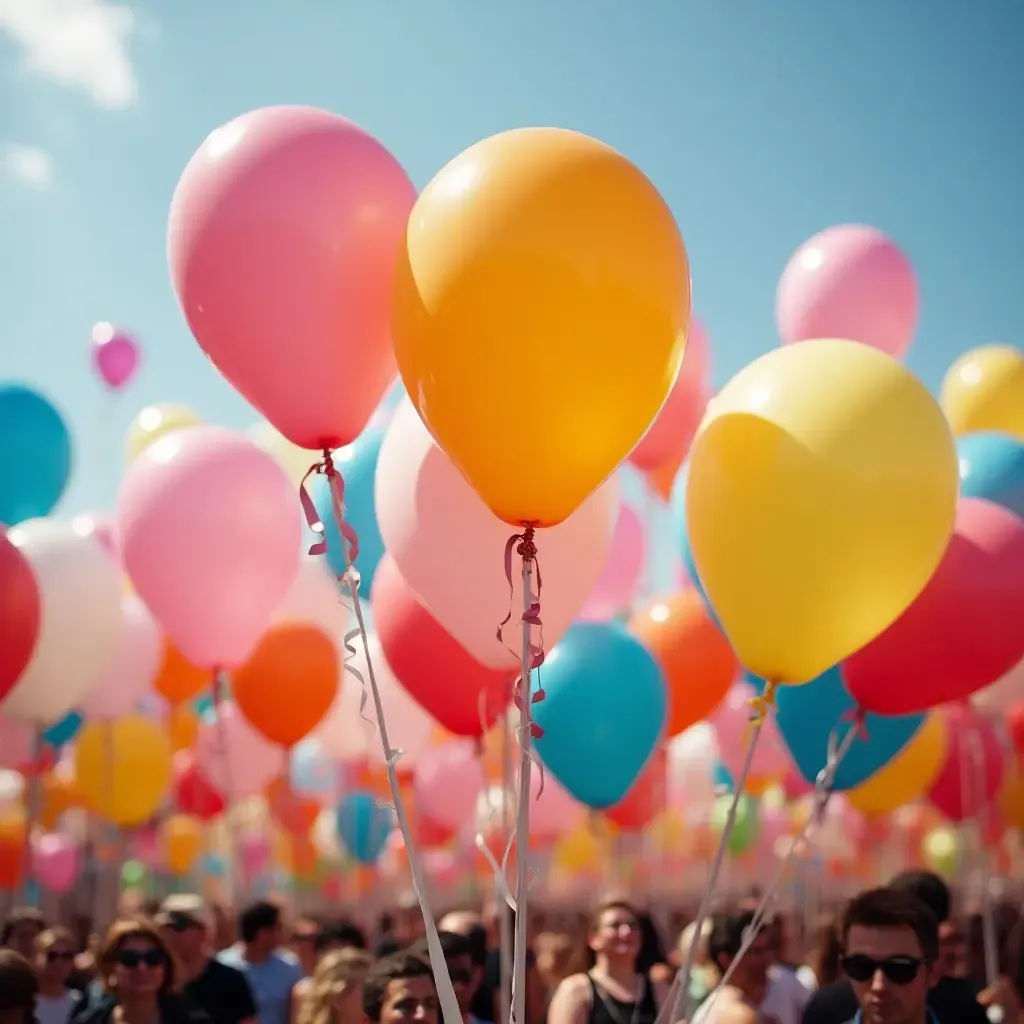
(571, 1002)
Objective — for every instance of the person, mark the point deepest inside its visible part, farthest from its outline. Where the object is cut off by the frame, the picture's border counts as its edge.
(612, 991)
(54, 961)
(465, 968)
(705, 974)
(302, 943)
(21, 929)
(822, 967)
(400, 988)
(787, 995)
(18, 989)
(221, 991)
(271, 974)
(139, 977)
(335, 993)
(406, 926)
(488, 1005)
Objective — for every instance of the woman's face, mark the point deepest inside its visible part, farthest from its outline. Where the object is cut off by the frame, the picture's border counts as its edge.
(140, 966)
(617, 933)
(56, 963)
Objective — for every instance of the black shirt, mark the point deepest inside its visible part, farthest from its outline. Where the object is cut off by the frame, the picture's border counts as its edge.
(223, 992)
(952, 1001)
(482, 1006)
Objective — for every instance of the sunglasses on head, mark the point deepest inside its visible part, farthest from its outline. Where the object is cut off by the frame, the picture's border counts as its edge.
(54, 956)
(134, 958)
(900, 970)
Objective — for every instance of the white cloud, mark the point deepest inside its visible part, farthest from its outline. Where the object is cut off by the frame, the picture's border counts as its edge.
(78, 43)
(29, 163)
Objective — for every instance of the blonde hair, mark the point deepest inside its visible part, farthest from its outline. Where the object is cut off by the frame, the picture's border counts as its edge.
(335, 974)
(48, 939)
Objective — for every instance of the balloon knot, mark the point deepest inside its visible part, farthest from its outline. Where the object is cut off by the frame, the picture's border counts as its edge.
(760, 706)
(527, 549)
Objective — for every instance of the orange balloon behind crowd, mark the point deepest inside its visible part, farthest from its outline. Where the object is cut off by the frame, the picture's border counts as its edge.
(646, 797)
(698, 662)
(178, 680)
(289, 683)
(295, 813)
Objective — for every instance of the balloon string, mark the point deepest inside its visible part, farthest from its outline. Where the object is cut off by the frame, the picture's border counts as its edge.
(33, 796)
(978, 779)
(236, 858)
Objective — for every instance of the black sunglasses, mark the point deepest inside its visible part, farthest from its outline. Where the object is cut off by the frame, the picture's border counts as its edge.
(133, 958)
(54, 956)
(900, 970)
(182, 923)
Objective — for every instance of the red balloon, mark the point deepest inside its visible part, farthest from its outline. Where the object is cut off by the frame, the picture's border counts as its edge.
(975, 765)
(964, 631)
(1015, 725)
(19, 613)
(193, 794)
(467, 698)
(646, 797)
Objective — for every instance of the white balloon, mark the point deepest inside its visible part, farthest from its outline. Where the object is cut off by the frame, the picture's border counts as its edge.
(315, 598)
(80, 624)
(12, 785)
(691, 766)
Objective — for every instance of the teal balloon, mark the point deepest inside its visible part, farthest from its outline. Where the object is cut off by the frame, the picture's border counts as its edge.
(363, 826)
(313, 773)
(35, 455)
(746, 828)
(603, 712)
(64, 731)
(992, 467)
(213, 866)
(722, 777)
(204, 705)
(357, 464)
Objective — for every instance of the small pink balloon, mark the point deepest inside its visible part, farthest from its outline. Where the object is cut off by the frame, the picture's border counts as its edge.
(254, 853)
(233, 757)
(616, 586)
(17, 741)
(975, 765)
(849, 282)
(135, 665)
(553, 812)
(115, 355)
(55, 862)
(209, 527)
(447, 782)
(147, 848)
(282, 240)
(732, 727)
(440, 867)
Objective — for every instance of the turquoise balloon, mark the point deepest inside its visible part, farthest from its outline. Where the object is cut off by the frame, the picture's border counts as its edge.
(35, 455)
(357, 464)
(212, 865)
(363, 826)
(992, 467)
(603, 712)
(722, 777)
(64, 731)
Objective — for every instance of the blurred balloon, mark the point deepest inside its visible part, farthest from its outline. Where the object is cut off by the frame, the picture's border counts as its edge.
(732, 724)
(178, 680)
(616, 586)
(123, 768)
(1011, 798)
(282, 239)
(698, 664)
(1002, 693)
(254, 854)
(155, 421)
(315, 599)
(35, 454)
(181, 840)
(363, 826)
(292, 811)
(102, 529)
(64, 730)
(463, 695)
(984, 390)
(553, 812)
(691, 759)
(55, 862)
(992, 467)
(662, 479)
(646, 797)
(562, 238)
(849, 281)
(133, 873)
(941, 852)
(603, 713)
(17, 743)
(1015, 726)
(313, 773)
(447, 545)
(448, 779)
(115, 355)
(20, 613)
(80, 625)
(233, 756)
(193, 794)
(209, 527)
(295, 461)
(820, 497)
(974, 768)
(962, 632)
(745, 830)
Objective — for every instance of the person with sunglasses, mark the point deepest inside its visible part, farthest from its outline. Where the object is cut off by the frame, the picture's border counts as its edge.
(54, 961)
(465, 969)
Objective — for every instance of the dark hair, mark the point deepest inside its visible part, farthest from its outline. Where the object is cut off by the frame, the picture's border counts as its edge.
(125, 929)
(727, 934)
(257, 917)
(476, 936)
(18, 985)
(894, 908)
(652, 949)
(931, 890)
(824, 959)
(20, 916)
(340, 933)
(404, 964)
(453, 945)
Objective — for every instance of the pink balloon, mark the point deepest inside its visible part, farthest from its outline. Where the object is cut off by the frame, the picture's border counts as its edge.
(964, 631)
(671, 434)
(254, 853)
(850, 282)
(794, 785)
(282, 240)
(55, 862)
(17, 743)
(115, 355)
(447, 782)
(209, 529)
(732, 726)
(234, 758)
(135, 665)
(147, 848)
(553, 812)
(448, 545)
(975, 764)
(616, 586)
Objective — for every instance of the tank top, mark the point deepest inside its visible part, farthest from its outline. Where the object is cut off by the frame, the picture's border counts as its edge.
(606, 1010)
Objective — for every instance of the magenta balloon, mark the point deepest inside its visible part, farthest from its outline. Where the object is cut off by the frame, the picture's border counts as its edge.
(447, 781)
(233, 757)
(210, 531)
(283, 235)
(55, 862)
(115, 355)
(616, 586)
(975, 765)
(849, 282)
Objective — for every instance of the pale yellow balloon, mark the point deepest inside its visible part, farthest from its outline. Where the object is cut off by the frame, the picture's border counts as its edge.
(940, 851)
(984, 390)
(154, 422)
(909, 774)
(295, 461)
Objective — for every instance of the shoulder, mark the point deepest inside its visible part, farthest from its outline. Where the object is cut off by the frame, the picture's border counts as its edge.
(575, 990)
(231, 957)
(288, 966)
(576, 983)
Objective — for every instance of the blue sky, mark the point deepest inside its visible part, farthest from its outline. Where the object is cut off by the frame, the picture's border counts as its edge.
(762, 121)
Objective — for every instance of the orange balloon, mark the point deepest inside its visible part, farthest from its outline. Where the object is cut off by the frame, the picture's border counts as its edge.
(663, 478)
(698, 662)
(183, 727)
(179, 680)
(289, 683)
(295, 813)
(60, 793)
(645, 799)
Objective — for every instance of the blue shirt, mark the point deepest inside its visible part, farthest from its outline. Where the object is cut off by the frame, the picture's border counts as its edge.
(932, 1019)
(271, 981)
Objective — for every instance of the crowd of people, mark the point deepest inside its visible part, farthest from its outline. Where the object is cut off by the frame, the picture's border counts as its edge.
(893, 955)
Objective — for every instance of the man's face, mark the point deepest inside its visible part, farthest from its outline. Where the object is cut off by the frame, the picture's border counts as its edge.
(888, 973)
(465, 979)
(410, 999)
(185, 936)
(23, 938)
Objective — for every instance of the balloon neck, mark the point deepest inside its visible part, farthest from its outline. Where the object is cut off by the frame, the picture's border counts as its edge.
(527, 549)
(765, 702)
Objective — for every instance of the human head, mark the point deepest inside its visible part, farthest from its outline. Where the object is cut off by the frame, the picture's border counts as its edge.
(259, 926)
(55, 956)
(399, 989)
(21, 928)
(302, 941)
(933, 892)
(135, 960)
(614, 933)
(728, 934)
(18, 989)
(336, 993)
(340, 935)
(408, 923)
(464, 967)
(187, 924)
(686, 937)
(890, 942)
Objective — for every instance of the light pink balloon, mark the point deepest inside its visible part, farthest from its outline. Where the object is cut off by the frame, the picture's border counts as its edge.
(671, 434)
(732, 727)
(850, 282)
(254, 853)
(135, 665)
(616, 586)
(101, 527)
(209, 528)
(447, 781)
(448, 545)
(55, 862)
(553, 812)
(17, 742)
(234, 758)
(147, 848)
(283, 235)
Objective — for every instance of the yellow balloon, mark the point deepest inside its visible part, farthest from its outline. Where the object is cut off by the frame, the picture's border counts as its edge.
(181, 840)
(821, 495)
(153, 422)
(540, 312)
(940, 851)
(127, 787)
(909, 774)
(984, 390)
(295, 461)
